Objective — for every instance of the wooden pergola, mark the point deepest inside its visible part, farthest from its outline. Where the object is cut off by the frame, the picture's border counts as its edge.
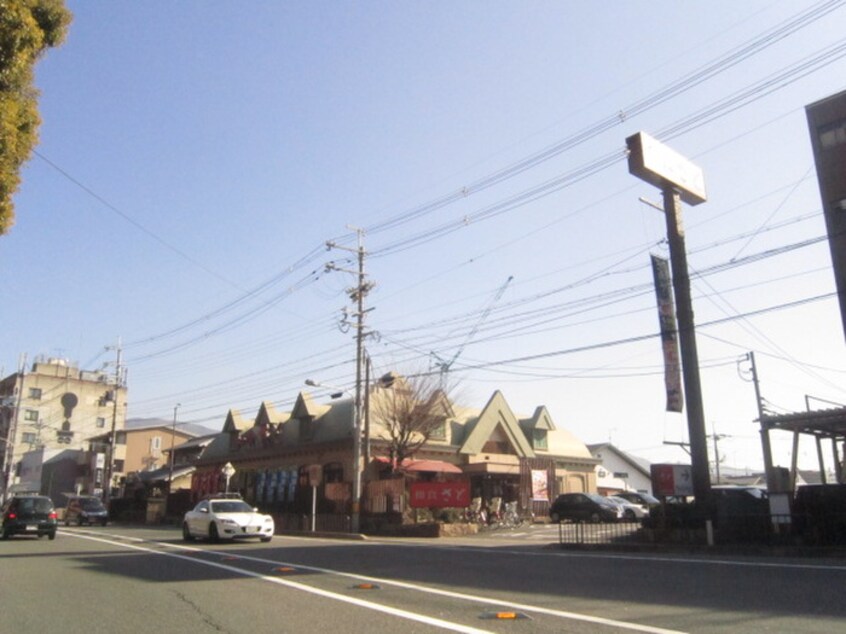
(828, 425)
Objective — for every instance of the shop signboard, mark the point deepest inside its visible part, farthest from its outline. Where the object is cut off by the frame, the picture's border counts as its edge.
(442, 495)
(671, 480)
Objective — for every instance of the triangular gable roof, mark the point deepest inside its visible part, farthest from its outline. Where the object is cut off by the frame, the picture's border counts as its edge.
(235, 422)
(267, 415)
(539, 420)
(495, 414)
(305, 407)
(634, 462)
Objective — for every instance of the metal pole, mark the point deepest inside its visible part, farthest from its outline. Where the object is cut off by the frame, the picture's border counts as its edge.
(689, 354)
(368, 369)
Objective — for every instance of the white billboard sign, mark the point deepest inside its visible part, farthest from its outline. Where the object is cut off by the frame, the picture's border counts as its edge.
(659, 165)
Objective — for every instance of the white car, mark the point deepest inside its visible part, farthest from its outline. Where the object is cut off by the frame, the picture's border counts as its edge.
(226, 518)
(631, 511)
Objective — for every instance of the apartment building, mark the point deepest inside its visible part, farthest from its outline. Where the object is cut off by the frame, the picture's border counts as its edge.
(53, 411)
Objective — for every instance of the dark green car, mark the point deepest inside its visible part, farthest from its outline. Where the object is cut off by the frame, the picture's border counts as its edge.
(29, 515)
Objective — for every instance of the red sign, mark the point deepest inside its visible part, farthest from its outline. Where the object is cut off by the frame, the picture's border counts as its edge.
(671, 480)
(441, 495)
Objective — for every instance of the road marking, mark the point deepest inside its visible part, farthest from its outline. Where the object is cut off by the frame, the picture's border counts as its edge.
(572, 616)
(404, 614)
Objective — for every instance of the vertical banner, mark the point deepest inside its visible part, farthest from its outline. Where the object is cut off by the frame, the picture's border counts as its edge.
(292, 484)
(540, 488)
(283, 484)
(669, 333)
(260, 478)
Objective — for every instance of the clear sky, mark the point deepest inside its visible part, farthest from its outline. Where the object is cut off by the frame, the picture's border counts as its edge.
(196, 156)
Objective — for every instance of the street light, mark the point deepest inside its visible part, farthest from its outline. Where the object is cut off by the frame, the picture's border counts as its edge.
(355, 520)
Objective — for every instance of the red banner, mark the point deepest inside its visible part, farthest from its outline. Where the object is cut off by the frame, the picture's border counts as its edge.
(441, 495)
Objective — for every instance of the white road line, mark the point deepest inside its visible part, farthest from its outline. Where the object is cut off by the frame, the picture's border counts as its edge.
(524, 607)
(404, 614)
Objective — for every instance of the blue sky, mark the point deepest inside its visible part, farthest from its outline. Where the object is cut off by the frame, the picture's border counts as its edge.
(195, 157)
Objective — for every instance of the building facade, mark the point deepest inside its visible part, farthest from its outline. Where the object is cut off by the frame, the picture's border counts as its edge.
(57, 409)
(282, 459)
(827, 126)
(619, 471)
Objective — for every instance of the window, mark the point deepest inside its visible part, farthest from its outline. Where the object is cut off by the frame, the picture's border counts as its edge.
(833, 134)
(155, 445)
(333, 472)
(35, 393)
(439, 430)
(539, 440)
(120, 438)
(28, 438)
(31, 415)
(101, 422)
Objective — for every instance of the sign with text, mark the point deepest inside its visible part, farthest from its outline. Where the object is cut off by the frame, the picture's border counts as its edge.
(669, 338)
(441, 495)
(540, 488)
(659, 165)
(670, 480)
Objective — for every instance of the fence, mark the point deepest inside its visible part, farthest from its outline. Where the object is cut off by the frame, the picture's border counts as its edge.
(323, 522)
(723, 530)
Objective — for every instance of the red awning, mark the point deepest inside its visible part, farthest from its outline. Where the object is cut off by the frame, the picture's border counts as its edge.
(431, 466)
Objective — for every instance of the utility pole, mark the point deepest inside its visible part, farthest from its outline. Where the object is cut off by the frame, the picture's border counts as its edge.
(357, 295)
(717, 438)
(172, 452)
(766, 447)
(110, 465)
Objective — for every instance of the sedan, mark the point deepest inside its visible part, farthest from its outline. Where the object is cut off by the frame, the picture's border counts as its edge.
(631, 511)
(224, 518)
(584, 507)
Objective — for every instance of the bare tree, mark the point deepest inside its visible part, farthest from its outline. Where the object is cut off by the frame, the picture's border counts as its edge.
(410, 411)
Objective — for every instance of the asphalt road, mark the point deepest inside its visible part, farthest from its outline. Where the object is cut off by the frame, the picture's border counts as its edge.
(117, 580)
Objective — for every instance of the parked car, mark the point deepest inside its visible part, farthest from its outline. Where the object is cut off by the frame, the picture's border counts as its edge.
(747, 500)
(644, 499)
(631, 511)
(29, 515)
(219, 518)
(584, 507)
(85, 509)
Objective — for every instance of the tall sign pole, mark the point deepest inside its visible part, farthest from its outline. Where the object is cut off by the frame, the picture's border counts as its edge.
(679, 179)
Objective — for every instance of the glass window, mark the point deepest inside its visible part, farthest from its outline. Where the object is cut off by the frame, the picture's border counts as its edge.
(35, 393)
(833, 134)
(539, 439)
(31, 415)
(28, 438)
(101, 422)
